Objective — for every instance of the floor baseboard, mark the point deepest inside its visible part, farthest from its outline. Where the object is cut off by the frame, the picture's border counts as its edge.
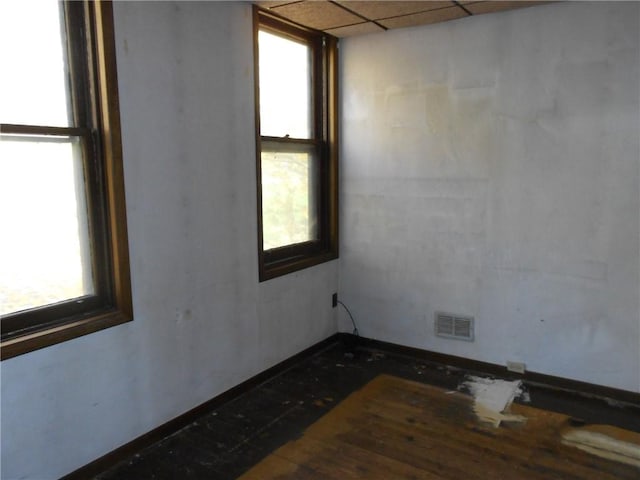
(351, 341)
(103, 463)
(531, 378)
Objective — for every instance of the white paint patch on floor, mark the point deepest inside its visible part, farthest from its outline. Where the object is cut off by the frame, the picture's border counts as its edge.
(603, 446)
(492, 398)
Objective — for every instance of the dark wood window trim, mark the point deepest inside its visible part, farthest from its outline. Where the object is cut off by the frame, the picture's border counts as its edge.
(280, 261)
(92, 62)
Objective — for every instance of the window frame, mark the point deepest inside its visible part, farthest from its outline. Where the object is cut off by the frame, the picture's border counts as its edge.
(95, 106)
(290, 258)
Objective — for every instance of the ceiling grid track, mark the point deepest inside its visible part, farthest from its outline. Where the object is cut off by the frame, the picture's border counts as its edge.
(345, 18)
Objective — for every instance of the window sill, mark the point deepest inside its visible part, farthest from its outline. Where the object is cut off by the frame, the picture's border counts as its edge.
(50, 336)
(290, 265)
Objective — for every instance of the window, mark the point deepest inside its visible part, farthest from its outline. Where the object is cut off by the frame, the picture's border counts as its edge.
(64, 264)
(297, 143)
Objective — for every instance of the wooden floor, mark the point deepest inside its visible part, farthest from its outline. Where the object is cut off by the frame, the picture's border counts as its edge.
(228, 441)
(395, 428)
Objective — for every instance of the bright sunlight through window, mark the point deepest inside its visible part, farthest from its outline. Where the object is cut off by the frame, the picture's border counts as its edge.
(44, 248)
(30, 33)
(285, 87)
(288, 206)
(297, 145)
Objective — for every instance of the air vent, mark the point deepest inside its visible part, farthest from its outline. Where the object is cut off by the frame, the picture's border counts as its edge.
(449, 325)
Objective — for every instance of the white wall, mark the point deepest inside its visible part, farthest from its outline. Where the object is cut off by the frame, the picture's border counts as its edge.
(490, 167)
(203, 323)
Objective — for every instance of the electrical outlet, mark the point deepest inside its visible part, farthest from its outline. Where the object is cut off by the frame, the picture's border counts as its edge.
(334, 300)
(517, 367)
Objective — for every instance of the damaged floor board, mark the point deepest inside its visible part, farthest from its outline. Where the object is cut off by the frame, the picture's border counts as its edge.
(493, 397)
(227, 442)
(395, 428)
(607, 442)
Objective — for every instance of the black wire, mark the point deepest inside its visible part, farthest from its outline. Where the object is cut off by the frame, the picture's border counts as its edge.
(355, 328)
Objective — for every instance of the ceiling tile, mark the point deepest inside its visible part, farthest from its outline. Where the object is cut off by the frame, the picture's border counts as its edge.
(488, 7)
(359, 29)
(318, 15)
(384, 9)
(424, 18)
(272, 3)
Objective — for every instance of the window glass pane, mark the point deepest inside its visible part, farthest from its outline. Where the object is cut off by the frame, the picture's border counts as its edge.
(44, 249)
(33, 88)
(288, 199)
(285, 87)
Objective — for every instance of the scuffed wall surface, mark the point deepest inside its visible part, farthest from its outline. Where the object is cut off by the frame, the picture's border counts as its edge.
(490, 167)
(202, 323)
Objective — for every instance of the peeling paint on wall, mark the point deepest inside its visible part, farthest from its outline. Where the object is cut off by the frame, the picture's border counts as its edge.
(493, 168)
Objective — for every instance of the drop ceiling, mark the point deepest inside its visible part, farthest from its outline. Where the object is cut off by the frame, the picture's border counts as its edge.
(344, 18)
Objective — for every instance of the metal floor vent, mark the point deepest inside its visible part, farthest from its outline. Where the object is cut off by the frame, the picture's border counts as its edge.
(449, 325)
